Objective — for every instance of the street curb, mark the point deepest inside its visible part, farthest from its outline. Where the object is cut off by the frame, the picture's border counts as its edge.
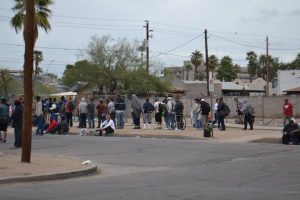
(50, 176)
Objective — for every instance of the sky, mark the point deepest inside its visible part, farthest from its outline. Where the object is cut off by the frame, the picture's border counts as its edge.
(234, 27)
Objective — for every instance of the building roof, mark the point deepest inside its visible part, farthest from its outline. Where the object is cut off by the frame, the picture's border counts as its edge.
(231, 86)
(297, 89)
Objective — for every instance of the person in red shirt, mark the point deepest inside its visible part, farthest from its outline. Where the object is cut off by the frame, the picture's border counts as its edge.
(287, 111)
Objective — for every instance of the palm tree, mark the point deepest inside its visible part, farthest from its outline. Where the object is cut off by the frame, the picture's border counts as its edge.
(37, 57)
(188, 67)
(42, 13)
(213, 63)
(252, 64)
(196, 59)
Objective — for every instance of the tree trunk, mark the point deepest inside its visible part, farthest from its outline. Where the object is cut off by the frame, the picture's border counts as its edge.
(29, 36)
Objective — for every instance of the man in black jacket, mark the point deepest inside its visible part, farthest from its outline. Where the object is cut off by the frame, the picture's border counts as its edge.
(205, 109)
(120, 106)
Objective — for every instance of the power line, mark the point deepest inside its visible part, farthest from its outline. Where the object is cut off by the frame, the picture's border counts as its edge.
(177, 47)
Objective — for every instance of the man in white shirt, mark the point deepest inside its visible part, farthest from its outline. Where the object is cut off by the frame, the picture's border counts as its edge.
(108, 126)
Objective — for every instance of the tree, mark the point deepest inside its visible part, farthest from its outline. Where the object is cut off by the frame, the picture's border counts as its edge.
(295, 64)
(37, 57)
(29, 36)
(213, 63)
(196, 60)
(113, 58)
(253, 66)
(42, 13)
(227, 71)
(273, 67)
(187, 68)
(35, 13)
(5, 78)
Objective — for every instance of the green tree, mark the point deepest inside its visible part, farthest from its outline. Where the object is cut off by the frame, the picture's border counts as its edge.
(37, 57)
(196, 59)
(295, 64)
(42, 13)
(213, 63)
(188, 68)
(113, 59)
(253, 66)
(273, 67)
(227, 70)
(5, 79)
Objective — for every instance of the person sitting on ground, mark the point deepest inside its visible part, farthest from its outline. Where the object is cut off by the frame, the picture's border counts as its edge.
(63, 127)
(108, 126)
(291, 132)
(53, 127)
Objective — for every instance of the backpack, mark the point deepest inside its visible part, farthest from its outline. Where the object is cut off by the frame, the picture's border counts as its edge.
(251, 109)
(72, 105)
(179, 107)
(226, 110)
(160, 108)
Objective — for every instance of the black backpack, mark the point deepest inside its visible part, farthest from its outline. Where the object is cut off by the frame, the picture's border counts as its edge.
(226, 110)
(160, 108)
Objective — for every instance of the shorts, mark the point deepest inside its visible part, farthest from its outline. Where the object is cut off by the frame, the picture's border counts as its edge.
(158, 117)
(4, 124)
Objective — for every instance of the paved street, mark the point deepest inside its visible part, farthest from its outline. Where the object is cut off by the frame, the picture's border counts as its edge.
(148, 168)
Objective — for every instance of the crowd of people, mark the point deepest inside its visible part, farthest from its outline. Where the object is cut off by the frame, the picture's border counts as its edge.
(56, 117)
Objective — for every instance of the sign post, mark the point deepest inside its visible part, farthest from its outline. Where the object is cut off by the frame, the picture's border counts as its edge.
(211, 88)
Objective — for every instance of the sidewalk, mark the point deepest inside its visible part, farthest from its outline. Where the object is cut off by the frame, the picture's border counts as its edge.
(45, 167)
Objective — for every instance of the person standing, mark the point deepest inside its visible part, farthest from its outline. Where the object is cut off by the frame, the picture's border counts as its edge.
(120, 107)
(40, 116)
(91, 113)
(287, 111)
(248, 110)
(112, 109)
(216, 113)
(196, 112)
(222, 114)
(17, 122)
(62, 107)
(82, 109)
(4, 118)
(147, 110)
(205, 109)
(70, 105)
(171, 114)
(136, 111)
(158, 108)
(239, 107)
(178, 109)
(101, 110)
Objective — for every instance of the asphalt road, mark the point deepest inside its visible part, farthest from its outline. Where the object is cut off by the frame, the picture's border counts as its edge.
(144, 169)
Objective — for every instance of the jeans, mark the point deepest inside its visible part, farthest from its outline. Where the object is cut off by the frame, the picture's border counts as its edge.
(221, 119)
(196, 121)
(40, 125)
(82, 120)
(120, 119)
(69, 118)
(171, 120)
(91, 120)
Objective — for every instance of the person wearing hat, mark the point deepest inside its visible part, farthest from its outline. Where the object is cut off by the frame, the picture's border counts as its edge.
(17, 122)
(205, 109)
(287, 111)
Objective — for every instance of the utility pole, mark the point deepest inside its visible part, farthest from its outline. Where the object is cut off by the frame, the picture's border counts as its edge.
(267, 66)
(206, 63)
(147, 45)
